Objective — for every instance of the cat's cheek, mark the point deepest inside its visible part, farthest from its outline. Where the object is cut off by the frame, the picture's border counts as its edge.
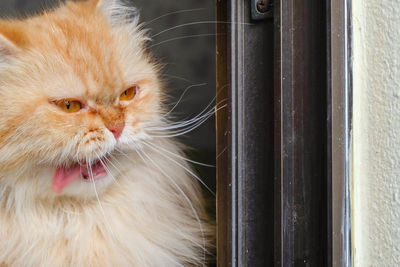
(131, 139)
(124, 139)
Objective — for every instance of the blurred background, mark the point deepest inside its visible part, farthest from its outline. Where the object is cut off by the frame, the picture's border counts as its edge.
(188, 52)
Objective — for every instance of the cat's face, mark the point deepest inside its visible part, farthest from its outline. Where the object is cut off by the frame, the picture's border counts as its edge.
(75, 87)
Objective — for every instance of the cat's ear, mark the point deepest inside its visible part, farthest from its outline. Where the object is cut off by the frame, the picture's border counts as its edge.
(118, 12)
(7, 48)
(12, 39)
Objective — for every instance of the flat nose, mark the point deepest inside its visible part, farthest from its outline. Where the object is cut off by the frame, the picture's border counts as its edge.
(116, 130)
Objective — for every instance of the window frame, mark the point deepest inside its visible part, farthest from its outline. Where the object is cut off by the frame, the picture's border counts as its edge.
(309, 116)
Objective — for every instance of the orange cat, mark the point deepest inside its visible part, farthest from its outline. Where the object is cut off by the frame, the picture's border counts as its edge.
(84, 180)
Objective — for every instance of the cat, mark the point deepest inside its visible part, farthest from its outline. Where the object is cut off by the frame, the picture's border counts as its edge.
(84, 176)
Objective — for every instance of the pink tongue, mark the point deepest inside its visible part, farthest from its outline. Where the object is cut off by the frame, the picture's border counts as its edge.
(64, 177)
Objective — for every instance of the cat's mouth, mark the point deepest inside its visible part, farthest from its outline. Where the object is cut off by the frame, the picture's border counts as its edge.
(66, 175)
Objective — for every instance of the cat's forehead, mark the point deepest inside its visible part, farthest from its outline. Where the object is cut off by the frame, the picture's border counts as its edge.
(87, 85)
(81, 53)
(78, 52)
(90, 66)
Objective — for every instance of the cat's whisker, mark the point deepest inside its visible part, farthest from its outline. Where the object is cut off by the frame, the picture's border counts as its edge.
(183, 37)
(110, 161)
(122, 153)
(183, 167)
(78, 151)
(178, 78)
(145, 162)
(126, 156)
(183, 94)
(212, 110)
(221, 153)
(89, 167)
(179, 156)
(187, 130)
(205, 109)
(173, 13)
(107, 169)
(180, 124)
(197, 23)
(185, 196)
(202, 113)
(176, 125)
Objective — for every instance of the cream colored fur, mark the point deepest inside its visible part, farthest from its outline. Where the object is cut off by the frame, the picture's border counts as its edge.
(147, 221)
(148, 211)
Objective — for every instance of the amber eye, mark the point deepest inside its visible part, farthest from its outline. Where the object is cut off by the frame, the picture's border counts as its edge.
(128, 94)
(69, 106)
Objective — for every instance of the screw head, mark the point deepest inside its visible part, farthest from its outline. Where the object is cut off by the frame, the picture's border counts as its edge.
(262, 6)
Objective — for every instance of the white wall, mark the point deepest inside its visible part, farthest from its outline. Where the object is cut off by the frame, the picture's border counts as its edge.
(376, 133)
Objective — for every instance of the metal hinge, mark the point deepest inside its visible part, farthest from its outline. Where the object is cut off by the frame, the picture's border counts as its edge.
(261, 9)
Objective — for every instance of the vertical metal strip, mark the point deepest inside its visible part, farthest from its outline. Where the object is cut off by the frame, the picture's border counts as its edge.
(245, 215)
(278, 215)
(302, 93)
(341, 103)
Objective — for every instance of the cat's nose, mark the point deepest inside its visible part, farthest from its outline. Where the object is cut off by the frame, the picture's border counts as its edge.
(116, 130)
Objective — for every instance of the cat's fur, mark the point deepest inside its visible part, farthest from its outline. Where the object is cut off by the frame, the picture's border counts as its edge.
(151, 212)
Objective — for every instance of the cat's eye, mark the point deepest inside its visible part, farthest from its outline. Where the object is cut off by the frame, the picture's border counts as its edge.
(129, 93)
(69, 106)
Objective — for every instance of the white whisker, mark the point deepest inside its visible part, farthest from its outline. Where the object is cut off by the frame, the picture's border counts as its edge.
(180, 124)
(89, 167)
(178, 78)
(183, 167)
(172, 13)
(197, 23)
(122, 153)
(187, 130)
(110, 161)
(222, 152)
(184, 92)
(185, 196)
(183, 37)
(107, 169)
(181, 157)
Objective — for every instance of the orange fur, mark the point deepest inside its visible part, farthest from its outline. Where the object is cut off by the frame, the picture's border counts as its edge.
(15, 33)
(153, 214)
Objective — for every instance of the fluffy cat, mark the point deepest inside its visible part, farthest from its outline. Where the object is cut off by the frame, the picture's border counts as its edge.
(84, 180)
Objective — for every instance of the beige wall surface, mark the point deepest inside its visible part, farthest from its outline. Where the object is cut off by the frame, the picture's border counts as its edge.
(376, 133)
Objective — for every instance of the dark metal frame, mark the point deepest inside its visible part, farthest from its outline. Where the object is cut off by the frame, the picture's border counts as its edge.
(283, 170)
(301, 138)
(245, 183)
